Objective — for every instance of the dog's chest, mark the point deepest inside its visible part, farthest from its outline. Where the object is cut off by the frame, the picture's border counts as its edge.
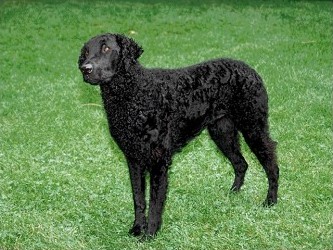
(133, 127)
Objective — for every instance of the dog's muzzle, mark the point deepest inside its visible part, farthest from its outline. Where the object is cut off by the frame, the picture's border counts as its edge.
(86, 69)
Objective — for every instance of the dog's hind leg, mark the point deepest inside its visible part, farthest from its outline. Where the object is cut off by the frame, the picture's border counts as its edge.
(259, 141)
(225, 135)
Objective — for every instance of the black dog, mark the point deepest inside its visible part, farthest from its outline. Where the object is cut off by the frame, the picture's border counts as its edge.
(153, 113)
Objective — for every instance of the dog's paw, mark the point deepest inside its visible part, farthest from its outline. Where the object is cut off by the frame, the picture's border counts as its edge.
(238, 183)
(146, 238)
(137, 230)
(235, 189)
(269, 202)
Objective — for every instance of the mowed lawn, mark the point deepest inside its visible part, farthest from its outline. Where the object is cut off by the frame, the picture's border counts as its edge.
(64, 182)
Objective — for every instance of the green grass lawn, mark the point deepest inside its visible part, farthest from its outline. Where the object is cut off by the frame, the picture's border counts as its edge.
(64, 183)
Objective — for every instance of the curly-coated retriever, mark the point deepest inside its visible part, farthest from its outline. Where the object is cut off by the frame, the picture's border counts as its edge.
(153, 113)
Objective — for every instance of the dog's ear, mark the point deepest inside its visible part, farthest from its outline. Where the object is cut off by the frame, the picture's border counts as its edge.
(130, 50)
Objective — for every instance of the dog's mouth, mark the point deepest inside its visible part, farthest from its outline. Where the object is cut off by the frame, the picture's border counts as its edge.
(88, 79)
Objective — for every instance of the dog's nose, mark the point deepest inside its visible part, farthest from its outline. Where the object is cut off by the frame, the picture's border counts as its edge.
(86, 68)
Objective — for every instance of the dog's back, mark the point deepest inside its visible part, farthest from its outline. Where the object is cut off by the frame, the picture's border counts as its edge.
(190, 98)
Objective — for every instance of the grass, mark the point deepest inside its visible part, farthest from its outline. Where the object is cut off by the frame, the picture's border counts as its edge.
(63, 181)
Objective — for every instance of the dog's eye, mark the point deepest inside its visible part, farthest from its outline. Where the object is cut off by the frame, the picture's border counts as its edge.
(86, 53)
(105, 48)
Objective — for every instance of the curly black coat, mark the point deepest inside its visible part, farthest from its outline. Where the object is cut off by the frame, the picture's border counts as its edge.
(153, 113)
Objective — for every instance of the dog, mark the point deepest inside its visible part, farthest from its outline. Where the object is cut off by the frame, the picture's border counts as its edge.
(153, 113)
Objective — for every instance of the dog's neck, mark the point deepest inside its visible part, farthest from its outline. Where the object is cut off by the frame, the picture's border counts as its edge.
(123, 85)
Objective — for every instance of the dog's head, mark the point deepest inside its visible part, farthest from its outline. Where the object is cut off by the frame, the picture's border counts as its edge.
(106, 55)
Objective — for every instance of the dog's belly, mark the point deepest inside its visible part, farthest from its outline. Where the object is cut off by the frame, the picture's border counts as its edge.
(186, 129)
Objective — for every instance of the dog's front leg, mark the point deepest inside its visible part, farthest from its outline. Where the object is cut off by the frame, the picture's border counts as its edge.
(137, 175)
(158, 190)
